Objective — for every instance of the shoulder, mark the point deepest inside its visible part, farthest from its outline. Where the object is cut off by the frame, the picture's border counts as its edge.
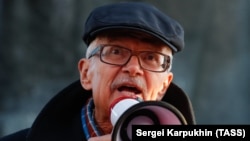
(17, 136)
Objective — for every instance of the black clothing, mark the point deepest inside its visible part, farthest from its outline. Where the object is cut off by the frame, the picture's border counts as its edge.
(60, 119)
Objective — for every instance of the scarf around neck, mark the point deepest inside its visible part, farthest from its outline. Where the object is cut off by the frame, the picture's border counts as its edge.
(90, 128)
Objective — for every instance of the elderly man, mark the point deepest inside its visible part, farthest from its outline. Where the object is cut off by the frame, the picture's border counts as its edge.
(130, 51)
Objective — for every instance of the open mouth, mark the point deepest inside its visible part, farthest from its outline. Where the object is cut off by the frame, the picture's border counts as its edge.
(129, 89)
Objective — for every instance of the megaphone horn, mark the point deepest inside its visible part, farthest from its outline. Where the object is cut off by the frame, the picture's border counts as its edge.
(126, 112)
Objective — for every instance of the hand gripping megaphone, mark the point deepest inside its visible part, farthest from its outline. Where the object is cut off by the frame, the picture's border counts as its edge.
(126, 111)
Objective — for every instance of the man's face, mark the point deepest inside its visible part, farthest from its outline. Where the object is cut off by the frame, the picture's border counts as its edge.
(109, 82)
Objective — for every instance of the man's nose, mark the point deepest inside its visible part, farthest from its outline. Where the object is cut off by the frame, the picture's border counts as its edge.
(133, 66)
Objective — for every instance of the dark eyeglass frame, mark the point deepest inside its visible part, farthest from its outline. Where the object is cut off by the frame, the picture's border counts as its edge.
(132, 53)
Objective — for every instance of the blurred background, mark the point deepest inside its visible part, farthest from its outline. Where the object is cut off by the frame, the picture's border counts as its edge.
(40, 45)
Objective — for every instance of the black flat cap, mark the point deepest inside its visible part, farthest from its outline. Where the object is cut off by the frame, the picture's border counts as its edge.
(135, 15)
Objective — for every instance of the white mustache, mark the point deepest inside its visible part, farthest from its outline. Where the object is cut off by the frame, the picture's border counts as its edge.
(129, 81)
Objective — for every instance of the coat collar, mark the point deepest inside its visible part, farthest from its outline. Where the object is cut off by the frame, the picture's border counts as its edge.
(60, 119)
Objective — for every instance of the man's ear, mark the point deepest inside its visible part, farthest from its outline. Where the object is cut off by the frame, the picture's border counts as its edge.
(83, 67)
(165, 85)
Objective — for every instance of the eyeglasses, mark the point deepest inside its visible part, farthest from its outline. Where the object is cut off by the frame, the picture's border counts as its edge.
(117, 55)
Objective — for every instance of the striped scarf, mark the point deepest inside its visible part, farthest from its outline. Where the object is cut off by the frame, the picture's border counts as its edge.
(89, 125)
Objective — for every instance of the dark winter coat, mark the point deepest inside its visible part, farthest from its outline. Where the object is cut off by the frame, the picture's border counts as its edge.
(60, 119)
